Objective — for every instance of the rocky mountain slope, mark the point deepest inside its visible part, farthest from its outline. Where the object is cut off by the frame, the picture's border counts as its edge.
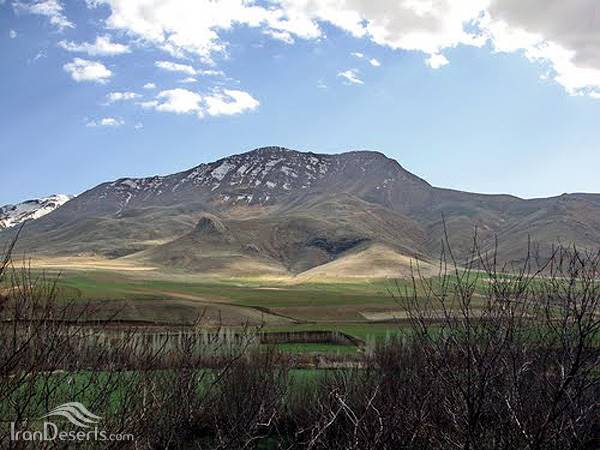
(12, 215)
(279, 211)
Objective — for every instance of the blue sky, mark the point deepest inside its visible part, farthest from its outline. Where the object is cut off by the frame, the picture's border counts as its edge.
(489, 105)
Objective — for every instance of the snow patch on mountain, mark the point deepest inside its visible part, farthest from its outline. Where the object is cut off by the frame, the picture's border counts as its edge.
(259, 177)
(220, 172)
(12, 215)
(261, 169)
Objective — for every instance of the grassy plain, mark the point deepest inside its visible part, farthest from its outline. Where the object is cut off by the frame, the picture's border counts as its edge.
(363, 308)
(148, 295)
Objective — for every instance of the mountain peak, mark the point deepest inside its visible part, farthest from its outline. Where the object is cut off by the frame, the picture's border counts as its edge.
(266, 176)
(365, 153)
(12, 215)
(271, 149)
(283, 151)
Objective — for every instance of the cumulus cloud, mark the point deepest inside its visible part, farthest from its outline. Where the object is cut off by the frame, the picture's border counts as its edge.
(183, 27)
(179, 101)
(424, 26)
(102, 46)
(12, 34)
(86, 70)
(121, 96)
(218, 103)
(358, 55)
(52, 9)
(374, 62)
(351, 76)
(563, 35)
(150, 86)
(110, 122)
(230, 102)
(188, 80)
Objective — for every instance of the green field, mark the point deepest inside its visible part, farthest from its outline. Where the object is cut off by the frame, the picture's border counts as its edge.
(274, 305)
(366, 310)
(317, 348)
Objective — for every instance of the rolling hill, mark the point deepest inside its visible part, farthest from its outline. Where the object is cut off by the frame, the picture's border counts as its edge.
(277, 211)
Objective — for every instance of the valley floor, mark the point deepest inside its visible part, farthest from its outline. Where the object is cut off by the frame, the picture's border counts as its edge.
(362, 308)
(123, 294)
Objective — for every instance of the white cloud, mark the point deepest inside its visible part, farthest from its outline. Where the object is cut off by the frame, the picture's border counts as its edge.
(175, 67)
(321, 84)
(351, 76)
(373, 61)
(563, 35)
(179, 101)
(52, 9)
(105, 122)
(415, 25)
(138, 126)
(121, 96)
(230, 102)
(85, 70)
(12, 34)
(211, 73)
(188, 80)
(282, 36)
(150, 86)
(188, 70)
(150, 104)
(436, 61)
(103, 46)
(183, 27)
(217, 103)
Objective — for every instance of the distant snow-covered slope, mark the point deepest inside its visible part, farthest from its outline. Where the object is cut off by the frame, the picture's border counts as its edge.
(11, 215)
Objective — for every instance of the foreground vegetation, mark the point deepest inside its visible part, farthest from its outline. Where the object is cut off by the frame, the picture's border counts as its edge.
(511, 362)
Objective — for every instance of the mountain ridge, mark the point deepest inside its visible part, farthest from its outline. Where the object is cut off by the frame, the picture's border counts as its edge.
(291, 211)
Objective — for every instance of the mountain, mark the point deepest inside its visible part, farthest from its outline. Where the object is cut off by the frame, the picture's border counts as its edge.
(279, 211)
(12, 215)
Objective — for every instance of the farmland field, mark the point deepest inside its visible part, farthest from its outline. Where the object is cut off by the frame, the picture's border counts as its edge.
(274, 304)
(365, 309)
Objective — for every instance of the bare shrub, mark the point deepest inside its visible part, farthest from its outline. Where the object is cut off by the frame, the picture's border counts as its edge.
(492, 357)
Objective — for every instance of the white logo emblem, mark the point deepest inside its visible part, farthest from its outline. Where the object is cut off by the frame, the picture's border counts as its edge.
(75, 413)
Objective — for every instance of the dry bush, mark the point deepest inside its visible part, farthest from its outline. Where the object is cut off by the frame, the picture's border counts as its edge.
(491, 358)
